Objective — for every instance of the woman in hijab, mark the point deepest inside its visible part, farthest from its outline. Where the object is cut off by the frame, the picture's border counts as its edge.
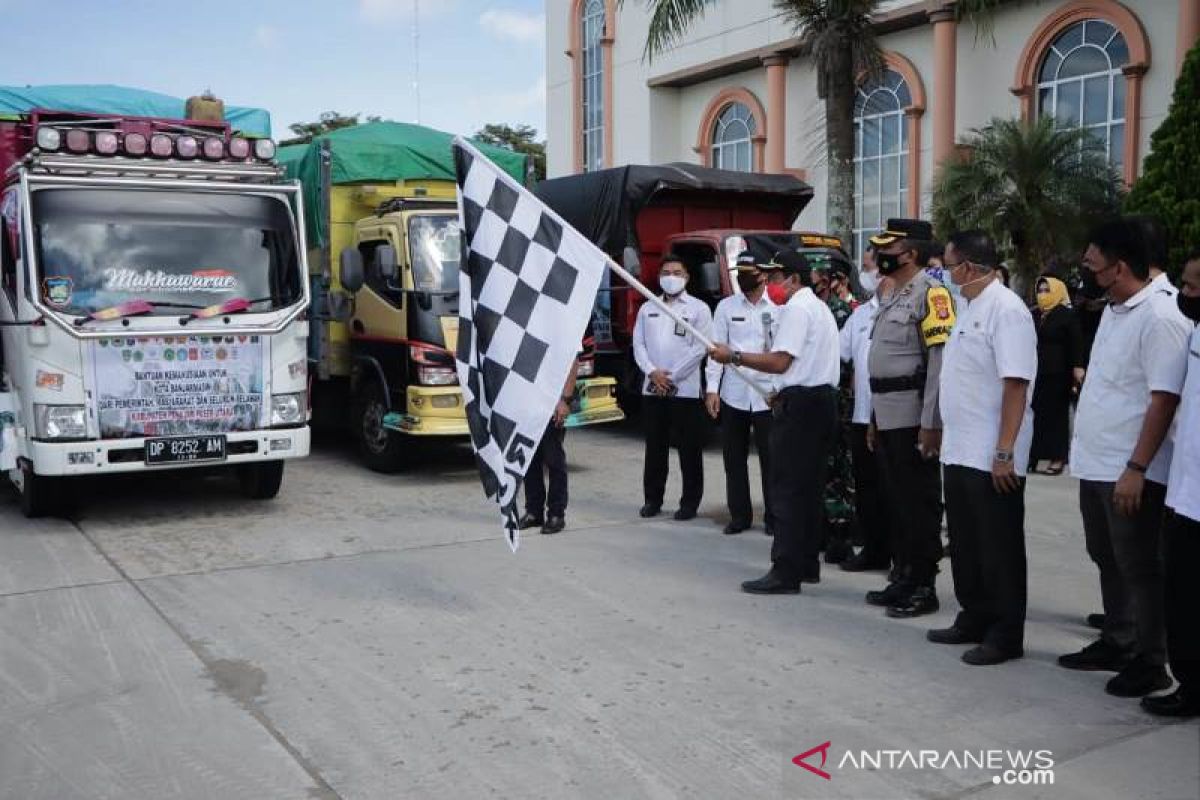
(1060, 371)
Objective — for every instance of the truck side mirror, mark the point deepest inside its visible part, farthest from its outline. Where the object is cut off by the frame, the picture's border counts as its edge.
(631, 262)
(350, 269)
(385, 264)
(710, 277)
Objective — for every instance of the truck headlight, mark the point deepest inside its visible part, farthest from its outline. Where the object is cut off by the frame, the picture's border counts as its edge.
(586, 368)
(60, 422)
(437, 376)
(288, 409)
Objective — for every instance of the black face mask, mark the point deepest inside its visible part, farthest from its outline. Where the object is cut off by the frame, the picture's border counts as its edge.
(1089, 287)
(748, 283)
(888, 262)
(1190, 306)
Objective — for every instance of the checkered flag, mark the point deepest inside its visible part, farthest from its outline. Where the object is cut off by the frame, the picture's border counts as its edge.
(526, 286)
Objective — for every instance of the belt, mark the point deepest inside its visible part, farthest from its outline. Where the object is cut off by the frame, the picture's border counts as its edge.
(905, 383)
(794, 390)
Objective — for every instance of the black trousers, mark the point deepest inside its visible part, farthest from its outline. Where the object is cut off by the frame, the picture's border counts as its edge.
(802, 432)
(678, 422)
(987, 556)
(870, 503)
(1128, 553)
(551, 455)
(913, 486)
(736, 426)
(1183, 632)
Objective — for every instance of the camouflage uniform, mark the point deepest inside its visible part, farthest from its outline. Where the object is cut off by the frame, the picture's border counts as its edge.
(839, 486)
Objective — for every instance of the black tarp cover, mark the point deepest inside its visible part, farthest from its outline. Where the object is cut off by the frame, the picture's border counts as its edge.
(604, 205)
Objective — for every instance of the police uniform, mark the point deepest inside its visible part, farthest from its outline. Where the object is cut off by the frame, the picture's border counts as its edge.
(911, 326)
(676, 417)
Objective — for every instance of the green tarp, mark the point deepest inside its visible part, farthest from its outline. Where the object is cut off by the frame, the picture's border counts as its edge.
(109, 99)
(379, 151)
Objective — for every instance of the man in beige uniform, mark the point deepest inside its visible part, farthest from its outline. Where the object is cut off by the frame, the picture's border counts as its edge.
(911, 326)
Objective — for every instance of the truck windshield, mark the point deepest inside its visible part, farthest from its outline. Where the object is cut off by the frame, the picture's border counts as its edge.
(98, 248)
(434, 247)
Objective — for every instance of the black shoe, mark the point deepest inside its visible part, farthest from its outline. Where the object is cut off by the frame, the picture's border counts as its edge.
(684, 514)
(811, 575)
(986, 655)
(864, 562)
(735, 527)
(554, 524)
(922, 601)
(649, 510)
(1096, 621)
(952, 635)
(771, 583)
(1138, 679)
(1099, 656)
(530, 521)
(838, 552)
(894, 592)
(1175, 704)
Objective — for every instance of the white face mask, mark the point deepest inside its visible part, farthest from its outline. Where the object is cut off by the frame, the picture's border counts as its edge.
(672, 284)
(869, 281)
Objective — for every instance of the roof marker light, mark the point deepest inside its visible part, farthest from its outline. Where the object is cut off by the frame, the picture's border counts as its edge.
(106, 143)
(264, 149)
(239, 147)
(187, 146)
(214, 148)
(161, 145)
(78, 140)
(49, 138)
(135, 144)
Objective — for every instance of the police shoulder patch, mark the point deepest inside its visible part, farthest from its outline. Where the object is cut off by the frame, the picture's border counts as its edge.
(939, 316)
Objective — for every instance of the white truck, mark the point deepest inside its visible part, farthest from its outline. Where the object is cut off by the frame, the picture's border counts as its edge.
(153, 296)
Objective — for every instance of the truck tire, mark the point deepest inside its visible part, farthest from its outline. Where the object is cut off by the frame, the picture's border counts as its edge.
(41, 496)
(260, 481)
(381, 450)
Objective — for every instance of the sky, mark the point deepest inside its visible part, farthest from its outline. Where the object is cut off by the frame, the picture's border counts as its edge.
(481, 61)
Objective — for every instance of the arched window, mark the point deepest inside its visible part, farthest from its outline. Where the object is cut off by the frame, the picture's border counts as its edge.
(732, 147)
(1081, 83)
(591, 21)
(881, 150)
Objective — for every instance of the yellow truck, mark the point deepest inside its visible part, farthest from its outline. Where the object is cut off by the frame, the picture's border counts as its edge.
(384, 259)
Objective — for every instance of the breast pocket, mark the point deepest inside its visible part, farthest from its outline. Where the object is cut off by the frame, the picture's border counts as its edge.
(900, 338)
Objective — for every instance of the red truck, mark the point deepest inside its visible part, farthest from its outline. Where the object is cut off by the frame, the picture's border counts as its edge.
(706, 216)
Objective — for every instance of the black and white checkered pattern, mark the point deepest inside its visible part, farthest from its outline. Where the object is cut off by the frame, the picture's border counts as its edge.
(527, 285)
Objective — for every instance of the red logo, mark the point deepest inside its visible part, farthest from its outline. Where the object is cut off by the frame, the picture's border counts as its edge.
(941, 306)
(823, 749)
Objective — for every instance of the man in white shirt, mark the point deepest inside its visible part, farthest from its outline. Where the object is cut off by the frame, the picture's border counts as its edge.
(804, 357)
(870, 504)
(1121, 455)
(988, 368)
(670, 359)
(746, 321)
(1182, 535)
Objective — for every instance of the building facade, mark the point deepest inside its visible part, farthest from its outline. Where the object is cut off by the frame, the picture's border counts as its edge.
(740, 92)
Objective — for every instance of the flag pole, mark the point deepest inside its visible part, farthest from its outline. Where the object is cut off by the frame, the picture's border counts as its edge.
(657, 301)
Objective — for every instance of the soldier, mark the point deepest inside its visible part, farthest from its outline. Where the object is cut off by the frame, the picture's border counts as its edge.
(911, 326)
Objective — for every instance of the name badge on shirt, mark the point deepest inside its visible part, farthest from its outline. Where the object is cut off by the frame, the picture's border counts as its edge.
(680, 330)
(737, 319)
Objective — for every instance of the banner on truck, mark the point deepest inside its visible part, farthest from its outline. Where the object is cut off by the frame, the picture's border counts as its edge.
(173, 385)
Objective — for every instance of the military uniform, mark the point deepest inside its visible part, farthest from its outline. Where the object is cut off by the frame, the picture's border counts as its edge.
(911, 327)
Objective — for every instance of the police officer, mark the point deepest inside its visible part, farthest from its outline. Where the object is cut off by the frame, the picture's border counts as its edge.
(745, 321)
(804, 355)
(669, 356)
(911, 327)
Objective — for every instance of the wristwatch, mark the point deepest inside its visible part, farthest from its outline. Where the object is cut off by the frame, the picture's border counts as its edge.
(1004, 456)
(737, 358)
(1136, 467)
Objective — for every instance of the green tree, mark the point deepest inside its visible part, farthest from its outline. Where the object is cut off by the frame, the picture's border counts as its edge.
(842, 42)
(520, 139)
(326, 122)
(1033, 187)
(1170, 184)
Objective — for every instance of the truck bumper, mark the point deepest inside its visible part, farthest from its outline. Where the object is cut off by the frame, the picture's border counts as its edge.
(126, 455)
(595, 402)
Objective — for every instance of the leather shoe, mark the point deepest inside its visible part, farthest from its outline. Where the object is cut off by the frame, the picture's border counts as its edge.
(985, 655)
(1138, 679)
(649, 510)
(838, 552)
(684, 514)
(1099, 656)
(894, 592)
(864, 562)
(735, 527)
(811, 574)
(1096, 621)
(922, 601)
(771, 583)
(530, 521)
(952, 635)
(1175, 704)
(554, 524)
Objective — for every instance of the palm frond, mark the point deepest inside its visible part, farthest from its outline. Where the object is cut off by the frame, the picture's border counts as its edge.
(669, 21)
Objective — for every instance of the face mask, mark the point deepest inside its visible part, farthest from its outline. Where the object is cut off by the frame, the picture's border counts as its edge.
(747, 283)
(778, 293)
(869, 281)
(672, 284)
(888, 262)
(1046, 301)
(1090, 286)
(971, 282)
(1189, 306)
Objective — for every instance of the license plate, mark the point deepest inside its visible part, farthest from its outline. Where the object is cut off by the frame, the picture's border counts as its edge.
(185, 449)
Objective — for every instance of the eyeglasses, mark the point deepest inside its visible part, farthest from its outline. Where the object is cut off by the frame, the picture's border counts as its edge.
(954, 266)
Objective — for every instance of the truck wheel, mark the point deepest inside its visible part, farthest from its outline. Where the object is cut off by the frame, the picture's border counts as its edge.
(261, 481)
(382, 450)
(41, 495)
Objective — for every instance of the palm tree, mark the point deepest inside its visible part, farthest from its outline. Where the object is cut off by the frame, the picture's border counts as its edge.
(1033, 187)
(842, 42)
